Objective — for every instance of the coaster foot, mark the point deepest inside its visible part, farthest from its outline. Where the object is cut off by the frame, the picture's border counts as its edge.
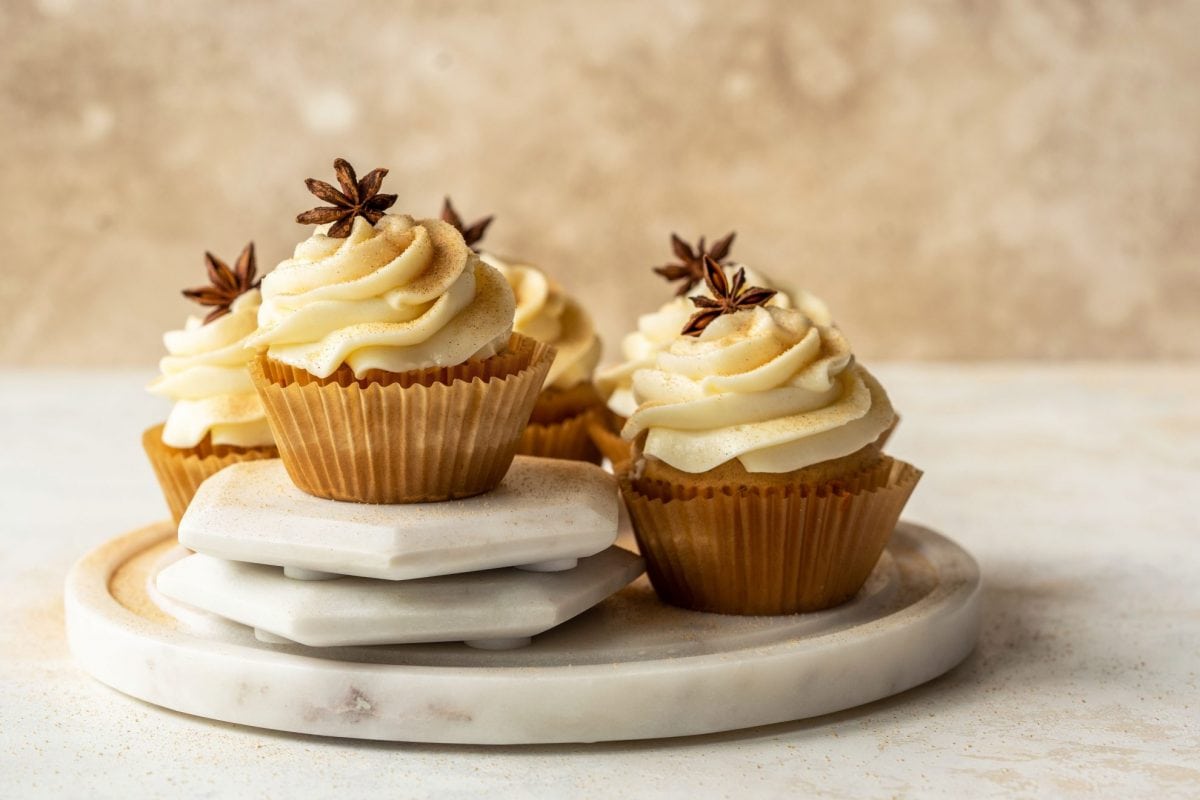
(301, 574)
(556, 565)
(500, 644)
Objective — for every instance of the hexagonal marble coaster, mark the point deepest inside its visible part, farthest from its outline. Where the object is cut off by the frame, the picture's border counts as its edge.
(546, 514)
(494, 609)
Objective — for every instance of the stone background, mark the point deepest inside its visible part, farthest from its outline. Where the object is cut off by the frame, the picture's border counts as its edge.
(957, 179)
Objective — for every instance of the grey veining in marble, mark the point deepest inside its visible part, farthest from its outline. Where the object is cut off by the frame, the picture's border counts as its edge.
(630, 668)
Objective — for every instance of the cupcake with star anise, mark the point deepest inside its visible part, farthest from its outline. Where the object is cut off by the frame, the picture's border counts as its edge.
(758, 483)
(387, 362)
(656, 330)
(569, 401)
(217, 418)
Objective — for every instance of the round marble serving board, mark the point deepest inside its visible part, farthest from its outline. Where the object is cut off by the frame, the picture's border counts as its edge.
(630, 668)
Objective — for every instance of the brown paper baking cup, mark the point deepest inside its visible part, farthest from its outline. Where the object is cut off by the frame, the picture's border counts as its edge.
(778, 551)
(568, 438)
(181, 471)
(413, 437)
(605, 431)
(555, 404)
(558, 427)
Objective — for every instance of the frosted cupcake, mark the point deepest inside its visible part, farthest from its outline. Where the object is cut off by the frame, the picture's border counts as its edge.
(758, 484)
(387, 362)
(656, 330)
(569, 401)
(217, 418)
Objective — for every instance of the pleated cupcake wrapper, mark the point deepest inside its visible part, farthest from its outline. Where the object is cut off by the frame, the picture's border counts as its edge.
(556, 405)
(181, 471)
(404, 441)
(604, 431)
(767, 552)
(567, 438)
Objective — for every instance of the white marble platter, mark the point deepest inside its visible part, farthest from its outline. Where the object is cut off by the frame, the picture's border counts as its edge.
(629, 668)
(546, 514)
(493, 609)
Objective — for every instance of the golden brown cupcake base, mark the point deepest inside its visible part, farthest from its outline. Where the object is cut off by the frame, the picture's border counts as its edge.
(181, 471)
(780, 549)
(511, 361)
(421, 436)
(656, 478)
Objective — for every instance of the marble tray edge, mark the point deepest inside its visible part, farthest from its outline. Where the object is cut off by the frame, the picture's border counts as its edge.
(98, 624)
(965, 590)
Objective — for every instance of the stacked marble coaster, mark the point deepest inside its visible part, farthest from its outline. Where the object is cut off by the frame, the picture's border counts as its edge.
(492, 570)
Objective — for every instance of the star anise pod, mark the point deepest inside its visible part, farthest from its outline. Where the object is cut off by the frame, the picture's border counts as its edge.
(690, 270)
(728, 297)
(227, 284)
(358, 198)
(471, 233)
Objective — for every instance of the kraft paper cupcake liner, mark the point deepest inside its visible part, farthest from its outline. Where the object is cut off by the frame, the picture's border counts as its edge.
(776, 551)
(605, 432)
(558, 427)
(181, 471)
(424, 436)
(555, 404)
(568, 438)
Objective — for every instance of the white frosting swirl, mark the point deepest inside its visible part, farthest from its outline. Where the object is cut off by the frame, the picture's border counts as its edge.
(205, 374)
(656, 331)
(766, 386)
(396, 296)
(546, 313)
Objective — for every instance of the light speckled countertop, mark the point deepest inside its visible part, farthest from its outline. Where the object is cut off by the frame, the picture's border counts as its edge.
(1076, 486)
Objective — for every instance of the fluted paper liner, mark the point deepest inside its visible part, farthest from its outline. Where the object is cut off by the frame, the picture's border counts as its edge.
(413, 437)
(568, 438)
(558, 427)
(555, 404)
(605, 431)
(181, 471)
(767, 552)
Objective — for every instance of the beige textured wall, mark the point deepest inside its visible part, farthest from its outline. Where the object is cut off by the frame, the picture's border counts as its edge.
(967, 179)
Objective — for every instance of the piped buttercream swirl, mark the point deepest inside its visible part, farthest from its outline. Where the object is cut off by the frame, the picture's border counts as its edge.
(546, 313)
(205, 374)
(656, 330)
(769, 387)
(399, 295)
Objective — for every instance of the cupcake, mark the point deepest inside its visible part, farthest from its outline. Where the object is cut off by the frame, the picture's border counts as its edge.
(386, 361)
(758, 483)
(656, 330)
(569, 401)
(217, 418)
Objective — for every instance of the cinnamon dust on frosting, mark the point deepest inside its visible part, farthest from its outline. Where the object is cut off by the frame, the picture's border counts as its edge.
(205, 374)
(399, 295)
(656, 330)
(547, 313)
(768, 386)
